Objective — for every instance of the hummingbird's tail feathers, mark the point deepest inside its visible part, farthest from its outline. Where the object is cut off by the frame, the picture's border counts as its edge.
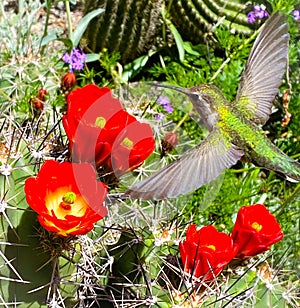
(264, 70)
(276, 160)
(291, 180)
(293, 172)
(195, 168)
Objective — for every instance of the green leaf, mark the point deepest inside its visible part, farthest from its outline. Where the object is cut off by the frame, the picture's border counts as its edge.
(48, 38)
(92, 57)
(188, 47)
(178, 39)
(133, 68)
(82, 25)
(211, 192)
(68, 43)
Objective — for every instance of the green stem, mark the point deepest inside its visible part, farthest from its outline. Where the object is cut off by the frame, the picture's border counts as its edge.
(180, 122)
(68, 11)
(49, 3)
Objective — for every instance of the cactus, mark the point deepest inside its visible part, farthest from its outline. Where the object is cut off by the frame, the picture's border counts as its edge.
(134, 27)
(194, 18)
(129, 27)
(131, 257)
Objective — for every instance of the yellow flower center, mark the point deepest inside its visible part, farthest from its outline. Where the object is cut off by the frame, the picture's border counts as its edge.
(68, 199)
(127, 143)
(212, 247)
(65, 202)
(256, 226)
(100, 122)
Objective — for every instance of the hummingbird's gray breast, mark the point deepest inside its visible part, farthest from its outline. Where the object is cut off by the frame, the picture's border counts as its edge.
(206, 99)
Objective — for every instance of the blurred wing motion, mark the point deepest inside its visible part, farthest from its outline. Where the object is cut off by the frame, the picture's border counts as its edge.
(264, 70)
(195, 168)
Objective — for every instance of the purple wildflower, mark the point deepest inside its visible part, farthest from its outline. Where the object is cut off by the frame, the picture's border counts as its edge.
(67, 58)
(159, 116)
(76, 59)
(165, 103)
(296, 14)
(259, 12)
(78, 54)
(251, 17)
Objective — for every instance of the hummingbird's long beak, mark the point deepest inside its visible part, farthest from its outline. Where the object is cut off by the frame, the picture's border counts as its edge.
(179, 89)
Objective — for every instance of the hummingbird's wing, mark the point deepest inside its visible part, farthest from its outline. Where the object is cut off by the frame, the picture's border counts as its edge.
(264, 70)
(195, 168)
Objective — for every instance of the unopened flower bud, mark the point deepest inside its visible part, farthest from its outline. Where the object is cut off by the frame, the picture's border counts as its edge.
(37, 103)
(68, 81)
(168, 143)
(42, 94)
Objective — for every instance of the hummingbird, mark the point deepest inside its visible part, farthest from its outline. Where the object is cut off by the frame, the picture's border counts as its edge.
(234, 128)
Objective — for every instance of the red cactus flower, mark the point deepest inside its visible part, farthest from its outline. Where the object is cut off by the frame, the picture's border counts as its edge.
(131, 147)
(95, 122)
(67, 197)
(206, 252)
(89, 110)
(90, 105)
(255, 230)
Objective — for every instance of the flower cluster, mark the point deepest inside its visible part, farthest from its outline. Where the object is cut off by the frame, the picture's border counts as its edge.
(101, 132)
(165, 103)
(75, 59)
(296, 14)
(259, 12)
(205, 252)
(102, 135)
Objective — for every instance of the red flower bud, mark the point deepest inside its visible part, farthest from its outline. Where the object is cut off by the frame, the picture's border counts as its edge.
(42, 94)
(206, 252)
(68, 81)
(168, 143)
(255, 230)
(37, 103)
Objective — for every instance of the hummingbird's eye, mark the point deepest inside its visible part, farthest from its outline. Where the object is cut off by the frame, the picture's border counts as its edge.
(196, 95)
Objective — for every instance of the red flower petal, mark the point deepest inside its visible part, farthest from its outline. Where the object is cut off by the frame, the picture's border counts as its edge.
(206, 252)
(255, 230)
(87, 104)
(87, 145)
(67, 197)
(132, 146)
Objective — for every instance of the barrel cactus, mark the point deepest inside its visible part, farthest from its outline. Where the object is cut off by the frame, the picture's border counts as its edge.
(134, 27)
(129, 27)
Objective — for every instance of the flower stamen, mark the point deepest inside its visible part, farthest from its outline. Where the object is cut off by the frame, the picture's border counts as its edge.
(127, 143)
(212, 247)
(256, 226)
(100, 122)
